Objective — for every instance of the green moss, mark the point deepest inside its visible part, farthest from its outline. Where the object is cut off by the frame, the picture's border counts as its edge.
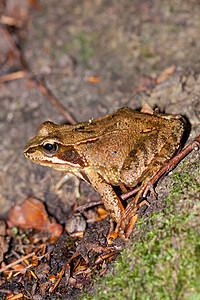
(164, 262)
(146, 52)
(80, 45)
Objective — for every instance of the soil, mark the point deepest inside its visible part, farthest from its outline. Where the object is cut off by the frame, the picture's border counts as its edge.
(95, 57)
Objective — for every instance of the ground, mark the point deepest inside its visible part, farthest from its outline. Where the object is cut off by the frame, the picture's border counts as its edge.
(95, 57)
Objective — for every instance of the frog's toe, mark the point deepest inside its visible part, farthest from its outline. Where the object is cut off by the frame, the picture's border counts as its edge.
(150, 187)
(111, 237)
(119, 231)
(123, 236)
(131, 225)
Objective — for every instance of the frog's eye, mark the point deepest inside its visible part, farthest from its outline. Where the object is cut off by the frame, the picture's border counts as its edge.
(50, 148)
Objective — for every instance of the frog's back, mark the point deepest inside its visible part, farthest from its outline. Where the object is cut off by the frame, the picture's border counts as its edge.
(93, 129)
(124, 120)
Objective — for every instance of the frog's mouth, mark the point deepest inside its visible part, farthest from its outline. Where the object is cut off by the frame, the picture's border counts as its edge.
(40, 158)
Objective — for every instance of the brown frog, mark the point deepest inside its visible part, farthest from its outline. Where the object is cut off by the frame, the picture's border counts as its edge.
(125, 148)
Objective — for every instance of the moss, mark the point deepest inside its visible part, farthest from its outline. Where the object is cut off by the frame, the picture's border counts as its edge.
(81, 45)
(146, 52)
(164, 262)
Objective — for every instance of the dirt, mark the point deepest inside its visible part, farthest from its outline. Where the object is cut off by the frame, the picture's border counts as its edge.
(95, 57)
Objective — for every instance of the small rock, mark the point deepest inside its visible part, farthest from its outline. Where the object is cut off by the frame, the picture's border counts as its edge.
(75, 224)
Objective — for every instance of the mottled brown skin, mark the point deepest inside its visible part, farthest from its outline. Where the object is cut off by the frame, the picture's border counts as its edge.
(127, 147)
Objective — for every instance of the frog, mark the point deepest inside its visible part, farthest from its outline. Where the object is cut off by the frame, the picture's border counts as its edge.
(126, 148)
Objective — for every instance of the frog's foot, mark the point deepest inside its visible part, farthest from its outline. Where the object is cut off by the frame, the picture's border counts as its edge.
(113, 234)
(119, 231)
(124, 234)
(125, 225)
(150, 187)
(128, 220)
(131, 225)
(112, 237)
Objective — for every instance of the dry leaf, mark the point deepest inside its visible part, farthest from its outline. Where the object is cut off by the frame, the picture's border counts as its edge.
(32, 214)
(147, 109)
(165, 74)
(94, 79)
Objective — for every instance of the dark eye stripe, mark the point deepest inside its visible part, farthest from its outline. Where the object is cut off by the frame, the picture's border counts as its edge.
(68, 153)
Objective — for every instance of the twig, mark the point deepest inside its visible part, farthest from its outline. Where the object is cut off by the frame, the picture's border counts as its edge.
(39, 85)
(13, 76)
(62, 271)
(22, 260)
(17, 262)
(83, 207)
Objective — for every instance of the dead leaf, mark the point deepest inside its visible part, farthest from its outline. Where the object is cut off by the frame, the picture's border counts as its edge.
(165, 74)
(35, 4)
(146, 82)
(94, 79)
(32, 214)
(147, 109)
(10, 21)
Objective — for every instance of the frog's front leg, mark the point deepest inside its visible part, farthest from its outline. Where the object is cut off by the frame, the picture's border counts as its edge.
(111, 201)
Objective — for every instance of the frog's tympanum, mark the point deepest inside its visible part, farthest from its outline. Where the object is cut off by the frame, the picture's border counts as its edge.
(126, 148)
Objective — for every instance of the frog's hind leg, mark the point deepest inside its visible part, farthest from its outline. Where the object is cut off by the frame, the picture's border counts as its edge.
(147, 184)
(160, 158)
(130, 214)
